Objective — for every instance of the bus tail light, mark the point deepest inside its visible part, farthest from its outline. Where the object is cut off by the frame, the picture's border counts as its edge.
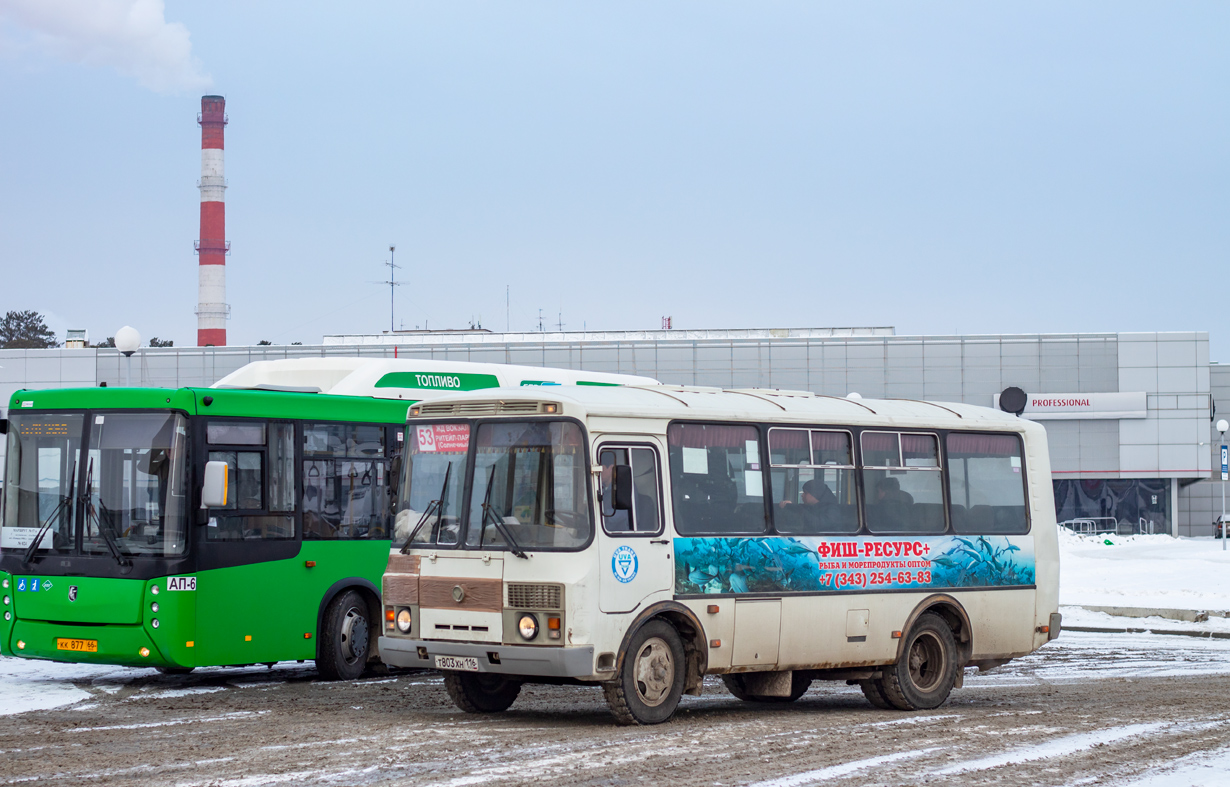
(144, 652)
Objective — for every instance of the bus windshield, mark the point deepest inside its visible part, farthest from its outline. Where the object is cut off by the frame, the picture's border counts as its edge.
(528, 490)
(128, 489)
(40, 487)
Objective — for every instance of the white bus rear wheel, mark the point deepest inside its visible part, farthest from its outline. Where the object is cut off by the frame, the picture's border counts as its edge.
(924, 675)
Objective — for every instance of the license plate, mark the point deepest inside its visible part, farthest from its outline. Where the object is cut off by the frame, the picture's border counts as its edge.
(467, 664)
(82, 645)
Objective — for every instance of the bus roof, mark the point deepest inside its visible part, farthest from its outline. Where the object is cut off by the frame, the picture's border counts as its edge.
(406, 378)
(667, 402)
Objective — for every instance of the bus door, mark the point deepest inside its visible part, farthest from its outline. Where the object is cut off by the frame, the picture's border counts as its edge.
(634, 552)
(250, 586)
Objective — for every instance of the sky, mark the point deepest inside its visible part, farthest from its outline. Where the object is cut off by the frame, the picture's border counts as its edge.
(947, 167)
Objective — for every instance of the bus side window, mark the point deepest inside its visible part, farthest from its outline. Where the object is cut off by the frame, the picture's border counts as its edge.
(249, 450)
(986, 483)
(813, 481)
(281, 467)
(902, 483)
(645, 515)
(716, 481)
(344, 479)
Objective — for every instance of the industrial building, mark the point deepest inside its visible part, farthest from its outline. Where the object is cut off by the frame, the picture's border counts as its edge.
(1129, 415)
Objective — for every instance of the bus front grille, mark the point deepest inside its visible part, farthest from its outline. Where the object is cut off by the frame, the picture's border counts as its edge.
(525, 595)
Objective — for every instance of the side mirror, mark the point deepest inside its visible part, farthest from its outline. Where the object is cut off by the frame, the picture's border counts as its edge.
(621, 488)
(213, 491)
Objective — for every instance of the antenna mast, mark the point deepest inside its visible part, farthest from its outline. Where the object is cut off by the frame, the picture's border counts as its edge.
(393, 283)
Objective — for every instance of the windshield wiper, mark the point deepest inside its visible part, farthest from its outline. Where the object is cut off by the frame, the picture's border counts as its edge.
(498, 521)
(65, 501)
(436, 506)
(107, 536)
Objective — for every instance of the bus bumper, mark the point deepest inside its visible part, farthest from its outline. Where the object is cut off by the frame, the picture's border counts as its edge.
(122, 645)
(566, 662)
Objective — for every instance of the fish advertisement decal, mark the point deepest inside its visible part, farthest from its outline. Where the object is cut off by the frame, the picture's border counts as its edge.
(812, 564)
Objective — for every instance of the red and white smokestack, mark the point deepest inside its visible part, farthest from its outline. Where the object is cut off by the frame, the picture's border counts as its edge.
(212, 246)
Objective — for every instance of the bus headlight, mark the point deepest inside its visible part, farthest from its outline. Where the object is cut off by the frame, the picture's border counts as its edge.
(6, 601)
(403, 621)
(154, 623)
(8, 615)
(153, 607)
(5, 584)
(528, 626)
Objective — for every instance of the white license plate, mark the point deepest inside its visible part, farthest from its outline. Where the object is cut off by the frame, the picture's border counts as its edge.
(467, 664)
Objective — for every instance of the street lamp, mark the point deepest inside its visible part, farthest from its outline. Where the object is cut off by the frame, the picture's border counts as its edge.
(1222, 426)
(127, 341)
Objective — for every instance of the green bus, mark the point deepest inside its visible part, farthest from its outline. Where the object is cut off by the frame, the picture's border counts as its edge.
(108, 553)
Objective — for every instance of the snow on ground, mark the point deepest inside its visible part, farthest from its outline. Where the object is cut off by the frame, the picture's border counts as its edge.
(28, 684)
(1079, 616)
(1143, 571)
(1199, 769)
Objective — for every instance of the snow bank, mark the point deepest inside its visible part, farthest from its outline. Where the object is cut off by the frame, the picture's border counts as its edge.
(28, 684)
(1143, 571)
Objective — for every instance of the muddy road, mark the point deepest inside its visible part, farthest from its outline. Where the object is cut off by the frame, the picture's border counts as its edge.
(1089, 708)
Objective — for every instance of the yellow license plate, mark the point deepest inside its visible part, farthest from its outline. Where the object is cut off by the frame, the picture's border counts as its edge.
(83, 645)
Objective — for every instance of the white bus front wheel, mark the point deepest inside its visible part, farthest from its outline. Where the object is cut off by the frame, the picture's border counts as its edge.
(650, 682)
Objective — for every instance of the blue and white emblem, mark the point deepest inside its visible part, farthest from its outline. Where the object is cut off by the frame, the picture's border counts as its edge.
(624, 564)
(21, 584)
(34, 585)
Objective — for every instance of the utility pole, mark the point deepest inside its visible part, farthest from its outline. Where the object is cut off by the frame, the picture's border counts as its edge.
(1222, 426)
(507, 319)
(392, 282)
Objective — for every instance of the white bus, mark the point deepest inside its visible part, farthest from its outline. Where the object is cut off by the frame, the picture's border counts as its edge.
(639, 538)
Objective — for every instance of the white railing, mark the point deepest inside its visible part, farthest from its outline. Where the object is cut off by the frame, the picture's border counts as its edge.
(1099, 525)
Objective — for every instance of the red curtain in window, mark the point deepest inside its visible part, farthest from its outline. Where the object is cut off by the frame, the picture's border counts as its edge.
(967, 445)
(831, 441)
(787, 439)
(919, 446)
(711, 435)
(879, 441)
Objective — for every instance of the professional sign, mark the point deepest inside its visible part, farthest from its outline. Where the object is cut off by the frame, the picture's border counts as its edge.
(1072, 406)
(1225, 466)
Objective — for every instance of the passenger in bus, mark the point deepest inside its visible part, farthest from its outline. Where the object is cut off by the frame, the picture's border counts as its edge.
(889, 493)
(817, 505)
